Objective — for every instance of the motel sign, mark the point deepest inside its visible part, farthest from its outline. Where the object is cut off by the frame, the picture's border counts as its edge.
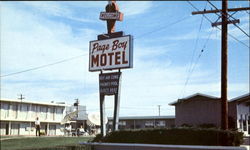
(114, 53)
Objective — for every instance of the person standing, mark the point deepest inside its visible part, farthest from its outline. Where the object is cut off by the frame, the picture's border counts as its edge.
(37, 125)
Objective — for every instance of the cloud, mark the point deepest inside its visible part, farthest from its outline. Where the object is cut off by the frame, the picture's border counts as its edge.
(134, 8)
(30, 39)
(61, 9)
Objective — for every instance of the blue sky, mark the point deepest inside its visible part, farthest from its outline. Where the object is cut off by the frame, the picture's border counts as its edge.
(166, 38)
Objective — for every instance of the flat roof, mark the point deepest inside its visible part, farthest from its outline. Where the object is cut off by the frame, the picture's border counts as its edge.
(33, 102)
(142, 117)
(247, 95)
(191, 96)
(241, 98)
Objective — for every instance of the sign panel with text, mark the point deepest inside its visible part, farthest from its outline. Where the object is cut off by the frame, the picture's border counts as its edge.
(109, 83)
(114, 53)
(111, 15)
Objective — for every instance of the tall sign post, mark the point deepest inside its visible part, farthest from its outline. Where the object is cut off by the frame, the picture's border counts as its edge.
(110, 51)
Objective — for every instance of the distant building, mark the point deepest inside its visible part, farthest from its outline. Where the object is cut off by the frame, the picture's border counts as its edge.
(198, 109)
(81, 117)
(239, 113)
(18, 117)
(141, 122)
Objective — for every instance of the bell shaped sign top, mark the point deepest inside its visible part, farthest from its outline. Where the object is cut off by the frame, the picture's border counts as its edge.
(111, 15)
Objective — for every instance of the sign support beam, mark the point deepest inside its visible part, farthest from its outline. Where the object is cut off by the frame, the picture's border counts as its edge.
(117, 109)
(102, 113)
(110, 51)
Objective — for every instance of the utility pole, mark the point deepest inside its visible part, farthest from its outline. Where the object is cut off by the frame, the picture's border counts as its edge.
(21, 97)
(76, 105)
(159, 109)
(224, 53)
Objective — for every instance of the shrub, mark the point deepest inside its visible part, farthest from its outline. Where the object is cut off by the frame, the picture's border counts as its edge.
(175, 136)
(186, 125)
(42, 133)
(207, 125)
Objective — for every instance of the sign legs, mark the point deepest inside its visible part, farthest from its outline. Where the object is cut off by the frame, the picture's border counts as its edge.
(116, 112)
(102, 113)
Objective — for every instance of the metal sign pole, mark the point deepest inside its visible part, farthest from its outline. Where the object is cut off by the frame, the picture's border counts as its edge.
(102, 113)
(117, 106)
(116, 54)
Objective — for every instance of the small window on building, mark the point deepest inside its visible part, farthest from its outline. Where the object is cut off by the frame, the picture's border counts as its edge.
(122, 123)
(149, 124)
(160, 123)
(249, 120)
(244, 125)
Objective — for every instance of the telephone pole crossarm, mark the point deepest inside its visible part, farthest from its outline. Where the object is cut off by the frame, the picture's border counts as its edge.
(216, 11)
(224, 52)
(228, 22)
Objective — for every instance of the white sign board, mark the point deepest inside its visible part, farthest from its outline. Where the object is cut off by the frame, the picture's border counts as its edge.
(115, 53)
(111, 15)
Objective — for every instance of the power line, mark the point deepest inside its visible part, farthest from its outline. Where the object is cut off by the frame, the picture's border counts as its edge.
(218, 27)
(47, 65)
(166, 26)
(192, 69)
(43, 66)
(195, 47)
(228, 18)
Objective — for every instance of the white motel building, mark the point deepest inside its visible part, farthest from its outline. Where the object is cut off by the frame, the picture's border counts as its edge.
(18, 117)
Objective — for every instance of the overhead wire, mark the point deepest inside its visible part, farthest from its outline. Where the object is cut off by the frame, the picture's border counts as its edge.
(218, 27)
(162, 28)
(228, 18)
(65, 60)
(192, 58)
(42, 66)
(194, 66)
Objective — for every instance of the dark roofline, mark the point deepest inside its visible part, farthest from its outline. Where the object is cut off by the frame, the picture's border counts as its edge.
(190, 96)
(142, 117)
(239, 98)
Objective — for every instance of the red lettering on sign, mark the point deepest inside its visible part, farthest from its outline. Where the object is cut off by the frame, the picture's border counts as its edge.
(97, 47)
(117, 58)
(124, 61)
(110, 58)
(95, 60)
(103, 60)
(117, 44)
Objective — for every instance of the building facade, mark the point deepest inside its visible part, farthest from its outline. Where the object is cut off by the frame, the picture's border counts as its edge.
(201, 109)
(142, 122)
(239, 113)
(196, 110)
(80, 119)
(18, 117)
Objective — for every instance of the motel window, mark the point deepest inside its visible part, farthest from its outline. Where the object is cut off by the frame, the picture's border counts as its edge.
(249, 120)
(5, 110)
(161, 123)
(122, 123)
(241, 120)
(149, 124)
(14, 110)
(244, 125)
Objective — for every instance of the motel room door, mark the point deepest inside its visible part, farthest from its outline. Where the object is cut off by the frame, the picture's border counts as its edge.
(52, 129)
(15, 129)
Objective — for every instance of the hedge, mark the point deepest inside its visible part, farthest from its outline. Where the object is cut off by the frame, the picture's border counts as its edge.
(175, 136)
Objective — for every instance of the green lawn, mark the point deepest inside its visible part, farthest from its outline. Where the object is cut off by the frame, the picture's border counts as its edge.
(6, 136)
(40, 142)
